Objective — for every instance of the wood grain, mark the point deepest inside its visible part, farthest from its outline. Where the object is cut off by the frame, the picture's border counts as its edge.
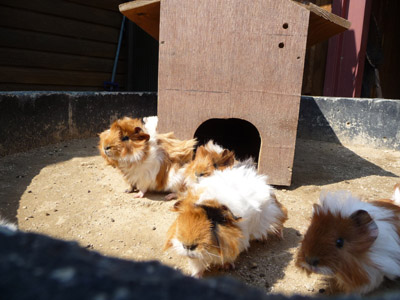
(145, 13)
(33, 21)
(66, 9)
(227, 59)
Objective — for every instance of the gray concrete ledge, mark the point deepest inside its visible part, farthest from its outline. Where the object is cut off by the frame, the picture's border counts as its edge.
(370, 122)
(34, 119)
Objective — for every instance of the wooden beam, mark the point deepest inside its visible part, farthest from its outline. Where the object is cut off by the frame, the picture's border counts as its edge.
(145, 13)
(323, 24)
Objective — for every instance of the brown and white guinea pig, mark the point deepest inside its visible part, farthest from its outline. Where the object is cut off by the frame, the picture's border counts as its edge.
(147, 160)
(207, 233)
(249, 209)
(356, 243)
(208, 158)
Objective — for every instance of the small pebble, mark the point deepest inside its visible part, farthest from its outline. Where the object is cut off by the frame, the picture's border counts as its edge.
(55, 210)
(31, 217)
(298, 233)
(26, 219)
(47, 214)
(253, 266)
(88, 191)
(24, 207)
(29, 192)
(112, 220)
(154, 228)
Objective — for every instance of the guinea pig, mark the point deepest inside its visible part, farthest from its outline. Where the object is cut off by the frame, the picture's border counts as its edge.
(356, 243)
(240, 195)
(207, 233)
(148, 162)
(208, 158)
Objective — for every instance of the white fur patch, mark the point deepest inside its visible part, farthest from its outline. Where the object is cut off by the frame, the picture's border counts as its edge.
(150, 125)
(213, 147)
(396, 196)
(248, 196)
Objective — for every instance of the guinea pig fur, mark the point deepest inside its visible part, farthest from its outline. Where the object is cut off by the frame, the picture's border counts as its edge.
(148, 162)
(207, 233)
(208, 158)
(356, 243)
(247, 194)
(240, 193)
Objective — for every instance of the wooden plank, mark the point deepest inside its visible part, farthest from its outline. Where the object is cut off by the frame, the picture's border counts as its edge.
(346, 52)
(18, 38)
(103, 4)
(32, 21)
(245, 63)
(54, 77)
(45, 60)
(69, 10)
(314, 66)
(323, 24)
(144, 13)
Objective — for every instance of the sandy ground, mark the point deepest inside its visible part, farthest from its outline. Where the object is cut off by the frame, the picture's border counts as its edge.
(66, 191)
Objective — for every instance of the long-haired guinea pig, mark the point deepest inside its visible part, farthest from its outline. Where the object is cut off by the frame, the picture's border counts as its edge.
(356, 243)
(207, 233)
(147, 161)
(241, 194)
(208, 158)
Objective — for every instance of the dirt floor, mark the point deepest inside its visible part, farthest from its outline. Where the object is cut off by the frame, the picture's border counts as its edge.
(66, 191)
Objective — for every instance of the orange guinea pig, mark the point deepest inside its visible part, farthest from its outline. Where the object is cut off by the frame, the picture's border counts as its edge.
(147, 160)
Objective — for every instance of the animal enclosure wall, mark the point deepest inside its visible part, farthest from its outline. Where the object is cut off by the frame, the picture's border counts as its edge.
(59, 44)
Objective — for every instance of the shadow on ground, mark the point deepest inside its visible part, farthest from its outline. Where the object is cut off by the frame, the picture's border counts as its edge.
(272, 258)
(320, 163)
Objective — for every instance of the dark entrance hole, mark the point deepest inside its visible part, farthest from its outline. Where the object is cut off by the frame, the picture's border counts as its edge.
(234, 134)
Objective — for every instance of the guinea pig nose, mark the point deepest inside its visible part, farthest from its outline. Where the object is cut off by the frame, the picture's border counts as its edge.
(312, 261)
(190, 247)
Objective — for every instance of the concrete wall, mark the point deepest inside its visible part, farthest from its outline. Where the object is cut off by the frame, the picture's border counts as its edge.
(33, 119)
(371, 122)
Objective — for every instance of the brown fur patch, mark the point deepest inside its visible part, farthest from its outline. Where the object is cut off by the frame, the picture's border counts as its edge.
(179, 151)
(320, 243)
(194, 226)
(207, 161)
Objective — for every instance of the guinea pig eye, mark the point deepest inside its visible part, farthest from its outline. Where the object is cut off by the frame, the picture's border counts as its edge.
(215, 166)
(125, 138)
(339, 243)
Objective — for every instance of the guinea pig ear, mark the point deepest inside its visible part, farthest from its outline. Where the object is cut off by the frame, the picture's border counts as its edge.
(227, 158)
(363, 221)
(316, 209)
(177, 205)
(140, 135)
